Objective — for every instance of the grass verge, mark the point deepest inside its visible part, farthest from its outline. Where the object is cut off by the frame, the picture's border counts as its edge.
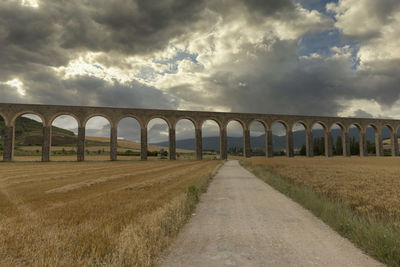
(141, 244)
(378, 238)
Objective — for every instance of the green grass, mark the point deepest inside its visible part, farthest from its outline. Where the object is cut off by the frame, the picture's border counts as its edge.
(378, 238)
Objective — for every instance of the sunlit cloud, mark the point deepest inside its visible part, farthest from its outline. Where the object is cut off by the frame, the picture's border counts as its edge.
(30, 3)
(16, 83)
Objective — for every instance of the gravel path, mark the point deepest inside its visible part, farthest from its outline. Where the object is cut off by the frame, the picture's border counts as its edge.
(241, 221)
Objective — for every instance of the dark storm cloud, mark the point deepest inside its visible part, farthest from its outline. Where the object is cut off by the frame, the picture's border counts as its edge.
(255, 10)
(288, 85)
(268, 8)
(273, 79)
(46, 87)
(33, 40)
(27, 39)
(51, 34)
(141, 26)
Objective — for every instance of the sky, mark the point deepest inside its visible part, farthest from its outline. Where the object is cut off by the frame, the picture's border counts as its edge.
(305, 57)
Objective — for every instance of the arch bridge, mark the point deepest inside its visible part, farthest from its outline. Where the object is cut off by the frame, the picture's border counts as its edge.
(48, 113)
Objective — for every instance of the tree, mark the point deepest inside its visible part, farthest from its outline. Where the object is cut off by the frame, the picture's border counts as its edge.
(354, 146)
(339, 146)
(319, 146)
(371, 149)
(303, 150)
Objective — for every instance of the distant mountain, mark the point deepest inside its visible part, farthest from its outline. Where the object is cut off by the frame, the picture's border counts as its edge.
(279, 142)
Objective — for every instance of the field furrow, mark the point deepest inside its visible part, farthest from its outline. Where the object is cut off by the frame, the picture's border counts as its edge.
(80, 220)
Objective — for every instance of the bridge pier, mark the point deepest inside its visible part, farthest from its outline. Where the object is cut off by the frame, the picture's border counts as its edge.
(223, 144)
(289, 144)
(394, 143)
(363, 143)
(46, 143)
(246, 143)
(378, 144)
(113, 143)
(269, 153)
(8, 151)
(172, 144)
(81, 144)
(199, 144)
(328, 143)
(346, 143)
(309, 143)
(143, 143)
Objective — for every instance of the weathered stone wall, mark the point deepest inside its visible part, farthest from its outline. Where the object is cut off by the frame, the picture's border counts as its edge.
(10, 112)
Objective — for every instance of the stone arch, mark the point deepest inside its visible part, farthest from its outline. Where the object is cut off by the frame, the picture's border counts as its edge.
(337, 143)
(266, 128)
(355, 124)
(341, 125)
(218, 122)
(279, 141)
(34, 143)
(158, 116)
(5, 119)
(261, 148)
(303, 123)
(241, 122)
(300, 148)
(132, 116)
(97, 151)
(372, 147)
(188, 126)
(388, 140)
(60, 146)
(20, 114)
(235, 148)
(71, 114)
(323, 124)
(284, 123)
(126, 150)
(320, 141)
(208, 150)
(354, 146)
(170, 134)
(195, 124)
(87, 118)
(2, 131)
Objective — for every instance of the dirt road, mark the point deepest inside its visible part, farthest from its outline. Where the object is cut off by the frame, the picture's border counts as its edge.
(241, 221)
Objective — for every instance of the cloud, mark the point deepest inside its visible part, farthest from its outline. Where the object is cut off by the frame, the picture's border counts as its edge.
(363, 19)
(228, 55)
(359, 113)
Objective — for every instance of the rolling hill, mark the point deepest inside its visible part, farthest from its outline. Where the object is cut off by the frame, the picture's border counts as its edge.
(28, 132)
(279, 142)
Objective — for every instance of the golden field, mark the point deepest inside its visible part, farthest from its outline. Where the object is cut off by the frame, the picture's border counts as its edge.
(91, 213)
(123, 145)
(370, 186)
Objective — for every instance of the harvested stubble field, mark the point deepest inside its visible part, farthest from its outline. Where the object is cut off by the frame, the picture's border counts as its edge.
(370, 186)
(92, 213)
(358, 197)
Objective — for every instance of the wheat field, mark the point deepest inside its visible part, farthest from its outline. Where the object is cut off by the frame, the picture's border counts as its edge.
(370, 186)
(90, 213)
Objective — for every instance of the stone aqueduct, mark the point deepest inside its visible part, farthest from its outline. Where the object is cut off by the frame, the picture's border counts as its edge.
(10, 112)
